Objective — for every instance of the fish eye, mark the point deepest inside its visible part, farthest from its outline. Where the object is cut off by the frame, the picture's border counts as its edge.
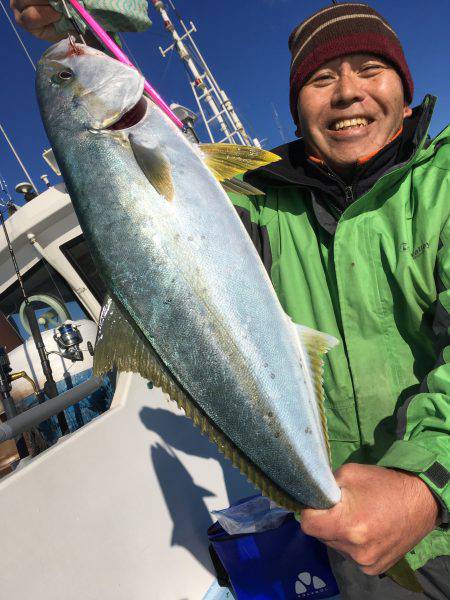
(64, 75)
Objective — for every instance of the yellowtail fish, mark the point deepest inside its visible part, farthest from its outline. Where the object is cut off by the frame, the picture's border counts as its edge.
(191, 306)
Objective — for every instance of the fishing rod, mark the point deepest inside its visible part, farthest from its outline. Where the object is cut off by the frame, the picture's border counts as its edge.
(102, 36)
(50, 388)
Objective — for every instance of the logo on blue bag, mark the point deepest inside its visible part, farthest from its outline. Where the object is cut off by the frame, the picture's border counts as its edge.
(308, 585)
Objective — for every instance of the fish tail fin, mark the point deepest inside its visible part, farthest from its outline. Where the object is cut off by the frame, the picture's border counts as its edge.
(317, 344)
(405, 576)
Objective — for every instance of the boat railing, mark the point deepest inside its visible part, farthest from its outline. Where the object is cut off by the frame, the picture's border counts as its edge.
(32, 417)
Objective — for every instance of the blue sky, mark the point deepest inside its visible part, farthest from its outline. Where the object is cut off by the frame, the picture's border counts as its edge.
(245, 45)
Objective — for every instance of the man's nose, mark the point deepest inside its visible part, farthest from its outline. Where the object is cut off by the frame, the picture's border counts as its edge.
(347, 90)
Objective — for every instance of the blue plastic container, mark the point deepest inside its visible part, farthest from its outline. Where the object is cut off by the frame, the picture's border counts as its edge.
(278, 564)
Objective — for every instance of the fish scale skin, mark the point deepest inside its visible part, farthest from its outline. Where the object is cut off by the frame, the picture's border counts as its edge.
(190, 278)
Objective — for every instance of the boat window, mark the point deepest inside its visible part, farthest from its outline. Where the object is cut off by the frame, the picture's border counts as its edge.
(51, 297)
(77, 253)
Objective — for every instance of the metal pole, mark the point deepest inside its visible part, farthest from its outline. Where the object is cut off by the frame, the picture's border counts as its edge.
(50, 388)
(40, 413)
(27, 175)
(223, 113)
(50, 385)
(243, 136)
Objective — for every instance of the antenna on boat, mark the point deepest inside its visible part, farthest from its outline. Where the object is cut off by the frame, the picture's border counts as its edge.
(278, 123)
(13, 150)
(216, 110)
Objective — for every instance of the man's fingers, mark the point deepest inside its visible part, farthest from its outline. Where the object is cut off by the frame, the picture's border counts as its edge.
(22, 4)
(320, 524)
(38, 17)
(34, 15)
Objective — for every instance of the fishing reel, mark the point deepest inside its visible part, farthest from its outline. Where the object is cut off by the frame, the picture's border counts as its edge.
(68, 338)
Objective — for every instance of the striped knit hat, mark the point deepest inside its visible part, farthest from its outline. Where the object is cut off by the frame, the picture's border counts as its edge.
(343, 28)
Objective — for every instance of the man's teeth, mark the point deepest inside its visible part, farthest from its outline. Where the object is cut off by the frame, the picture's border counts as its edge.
(345, 124)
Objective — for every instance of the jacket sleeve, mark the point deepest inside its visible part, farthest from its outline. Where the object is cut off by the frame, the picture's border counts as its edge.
(113, 15)
(423, 422)
(249, 210)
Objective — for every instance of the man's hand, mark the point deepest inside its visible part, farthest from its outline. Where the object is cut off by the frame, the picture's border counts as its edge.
(38, 17)
(382, 515)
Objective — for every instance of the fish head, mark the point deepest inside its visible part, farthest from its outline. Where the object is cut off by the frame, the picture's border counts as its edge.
(80, 88)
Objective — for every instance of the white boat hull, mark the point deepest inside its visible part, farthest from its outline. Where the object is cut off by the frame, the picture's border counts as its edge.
(117, 510)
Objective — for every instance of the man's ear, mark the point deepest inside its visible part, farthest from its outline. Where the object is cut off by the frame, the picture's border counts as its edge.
(407, 111)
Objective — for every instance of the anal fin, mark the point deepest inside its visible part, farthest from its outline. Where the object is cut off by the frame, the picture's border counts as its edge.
(120, 344)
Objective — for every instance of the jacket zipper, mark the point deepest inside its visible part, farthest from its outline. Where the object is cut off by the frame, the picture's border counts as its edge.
(349, 194)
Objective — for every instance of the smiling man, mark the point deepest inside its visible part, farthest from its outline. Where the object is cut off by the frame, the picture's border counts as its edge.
(353, 229)
(349, 109)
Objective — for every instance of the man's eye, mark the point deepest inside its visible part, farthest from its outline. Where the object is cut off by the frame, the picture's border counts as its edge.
(369, 69)
(322, 78)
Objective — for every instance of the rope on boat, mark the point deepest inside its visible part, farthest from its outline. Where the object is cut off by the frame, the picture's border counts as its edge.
(18, 35)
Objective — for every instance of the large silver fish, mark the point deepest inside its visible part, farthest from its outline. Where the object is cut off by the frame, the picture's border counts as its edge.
(191, 306)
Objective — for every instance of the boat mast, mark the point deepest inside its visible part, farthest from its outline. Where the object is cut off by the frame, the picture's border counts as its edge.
(216, 110)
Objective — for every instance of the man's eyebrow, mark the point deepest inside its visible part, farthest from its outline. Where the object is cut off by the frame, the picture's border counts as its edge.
(375, 59)
(322, 70)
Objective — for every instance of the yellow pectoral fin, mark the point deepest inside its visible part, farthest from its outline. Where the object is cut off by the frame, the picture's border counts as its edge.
(156, 167)
(227, 160)
(240, 187)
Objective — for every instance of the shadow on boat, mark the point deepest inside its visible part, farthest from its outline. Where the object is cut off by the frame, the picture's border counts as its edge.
(184, 498)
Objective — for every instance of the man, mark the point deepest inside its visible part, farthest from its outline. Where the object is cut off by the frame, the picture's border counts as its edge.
(353, 229)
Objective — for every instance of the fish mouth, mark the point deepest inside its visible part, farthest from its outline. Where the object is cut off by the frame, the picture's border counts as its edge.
(131, 117)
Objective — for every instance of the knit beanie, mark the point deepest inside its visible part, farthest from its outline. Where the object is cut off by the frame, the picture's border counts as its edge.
(343, 28)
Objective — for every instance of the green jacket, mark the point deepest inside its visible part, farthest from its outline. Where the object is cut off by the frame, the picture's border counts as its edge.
(380, 284)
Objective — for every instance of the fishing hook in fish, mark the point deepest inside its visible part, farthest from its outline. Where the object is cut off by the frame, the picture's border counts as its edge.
(75, 25)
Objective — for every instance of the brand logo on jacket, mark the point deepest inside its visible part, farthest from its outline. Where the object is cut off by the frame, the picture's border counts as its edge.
(418, 251)
(308, 585)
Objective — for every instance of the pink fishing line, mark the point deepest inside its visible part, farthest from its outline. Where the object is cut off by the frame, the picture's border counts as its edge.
(117, 52)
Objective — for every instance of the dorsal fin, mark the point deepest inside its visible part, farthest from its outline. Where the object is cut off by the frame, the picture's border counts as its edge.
(227, 160)
(317, 344)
